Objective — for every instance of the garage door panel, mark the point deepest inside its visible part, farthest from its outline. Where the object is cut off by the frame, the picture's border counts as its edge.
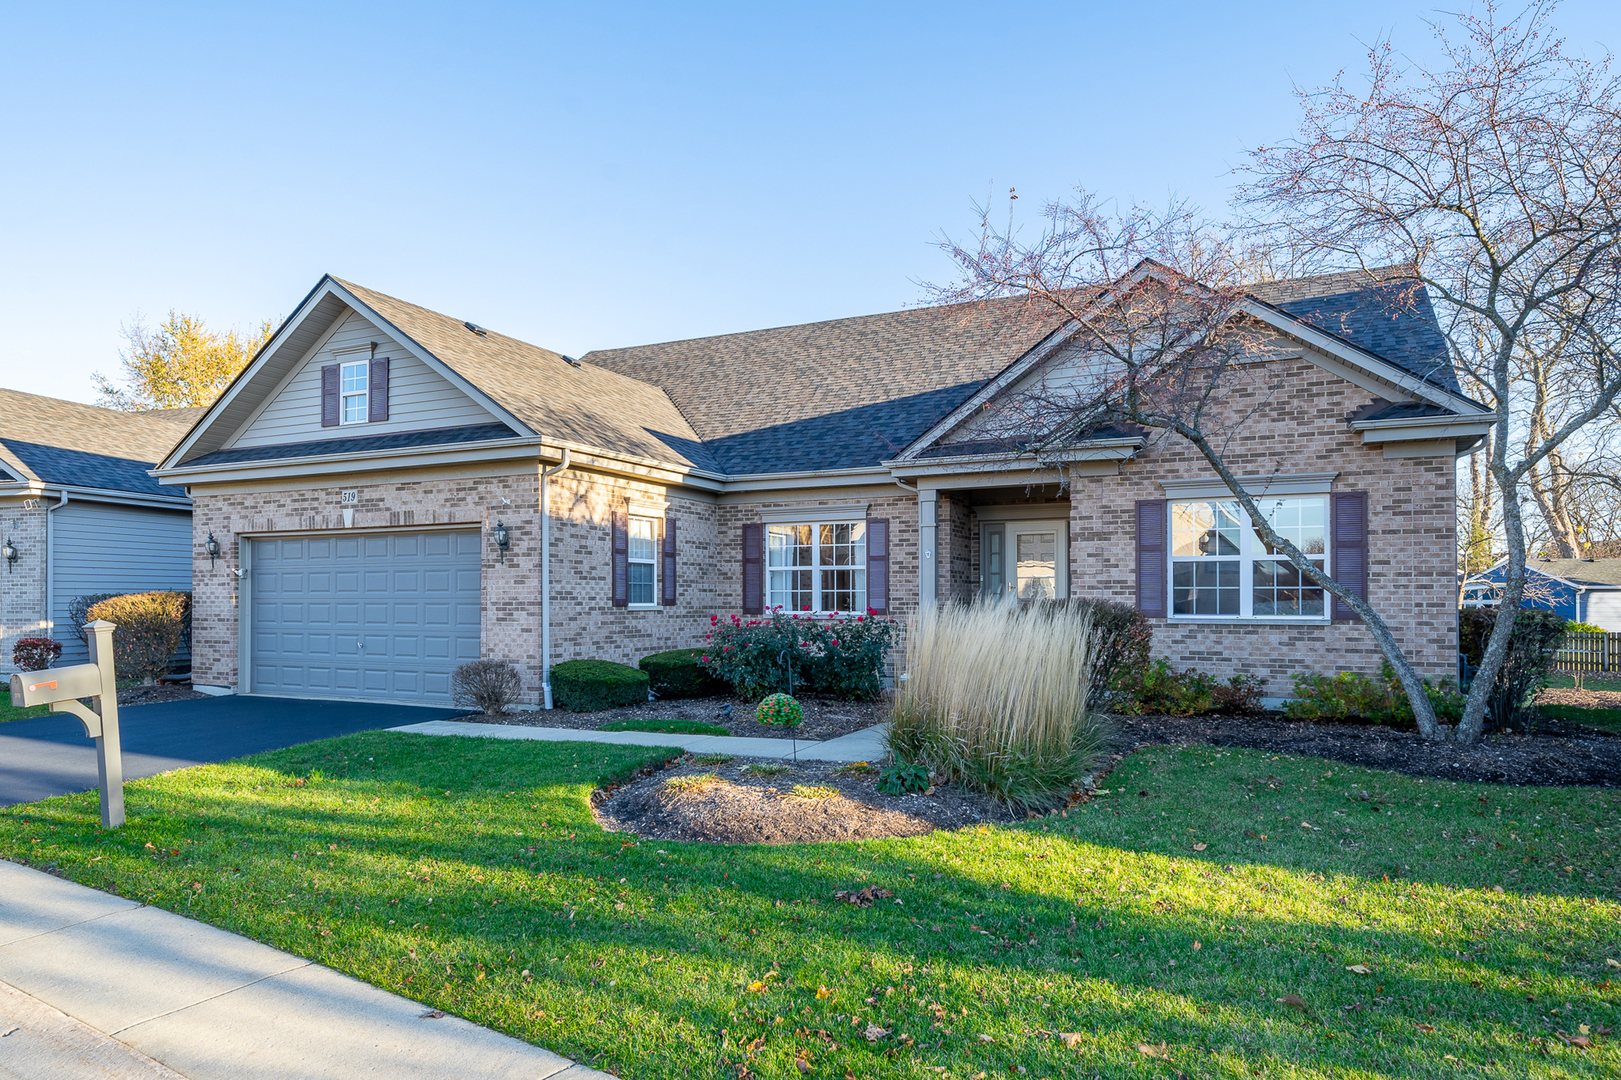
(381, 615)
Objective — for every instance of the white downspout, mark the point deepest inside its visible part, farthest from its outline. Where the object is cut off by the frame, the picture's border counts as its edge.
(546, 582)
(50, 565)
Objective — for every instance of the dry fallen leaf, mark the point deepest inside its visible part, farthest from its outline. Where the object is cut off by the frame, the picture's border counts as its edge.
(1071, 1039)
(756, 987)
(1294, 1001)
(986, 1039)
(1614, 963)
(823, 992)
(874, 1032)
(433, 1014)
(1160, 1051)
(1200, 847)
(803, 1066)
(1197, 946)
(863, 897)
(1360, 969)
(1425, 1027)
(1581, 1042)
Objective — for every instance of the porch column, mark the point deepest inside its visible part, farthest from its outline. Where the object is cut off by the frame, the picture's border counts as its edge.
(928, 550)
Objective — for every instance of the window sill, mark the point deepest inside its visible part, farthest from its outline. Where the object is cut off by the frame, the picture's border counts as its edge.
(1251, 620)
(644, 607)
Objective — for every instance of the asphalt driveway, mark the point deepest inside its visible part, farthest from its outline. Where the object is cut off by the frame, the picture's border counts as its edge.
(49, 755)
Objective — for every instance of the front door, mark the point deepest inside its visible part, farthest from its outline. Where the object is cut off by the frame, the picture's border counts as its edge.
(1026, 560)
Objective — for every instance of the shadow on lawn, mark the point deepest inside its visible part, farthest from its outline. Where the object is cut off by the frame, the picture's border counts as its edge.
(1024, 938)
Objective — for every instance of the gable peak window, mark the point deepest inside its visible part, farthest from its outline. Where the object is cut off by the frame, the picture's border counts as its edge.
(355, 391)
(1220, 567)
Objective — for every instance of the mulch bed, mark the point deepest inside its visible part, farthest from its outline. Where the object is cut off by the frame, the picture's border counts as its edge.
(1551, 755)
(825, 718)
(1582, 699)
(741, 807)
(152, 695)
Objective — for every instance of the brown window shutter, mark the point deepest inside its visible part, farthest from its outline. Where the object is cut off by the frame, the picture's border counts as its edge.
(667, 563)
(878, 565)
(329, 395)
(1348, 537)
(1151, 562)
(621, 558)
(753, 568)
(377, 390)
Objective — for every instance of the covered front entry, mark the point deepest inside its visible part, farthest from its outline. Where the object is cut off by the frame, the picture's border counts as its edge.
(375, 616)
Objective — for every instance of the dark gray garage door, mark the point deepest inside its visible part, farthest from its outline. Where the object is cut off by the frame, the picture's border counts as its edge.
(382, 616)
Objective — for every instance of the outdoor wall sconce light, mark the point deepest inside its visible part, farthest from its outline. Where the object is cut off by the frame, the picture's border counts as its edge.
(10, 552)
(212, 546)
(502, 540)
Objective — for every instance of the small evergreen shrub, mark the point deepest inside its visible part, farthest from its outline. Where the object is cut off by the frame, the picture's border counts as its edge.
(791, 653)
(594, 685)
(151, 627)
(1240, 694)
(1536, 638)
(779, 710)
(677, 674)
(1165, 691)
(1377, 699)
(35, 653)
(489, 686)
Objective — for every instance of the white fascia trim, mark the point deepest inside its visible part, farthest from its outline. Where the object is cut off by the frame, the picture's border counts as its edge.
(748, 483)
(800, 515)
(1256, 486)
(329, 464)
(1096, 450)
(1418, 433)
(33, 490)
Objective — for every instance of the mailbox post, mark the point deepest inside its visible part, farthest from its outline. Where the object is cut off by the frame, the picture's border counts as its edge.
(61, 689)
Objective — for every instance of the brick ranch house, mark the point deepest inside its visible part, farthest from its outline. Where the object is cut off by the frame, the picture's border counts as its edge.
(393, 492)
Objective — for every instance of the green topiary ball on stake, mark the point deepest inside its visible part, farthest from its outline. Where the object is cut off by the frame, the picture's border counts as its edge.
(781, 710)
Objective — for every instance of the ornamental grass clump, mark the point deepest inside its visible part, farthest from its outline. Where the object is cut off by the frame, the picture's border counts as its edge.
(994, 698)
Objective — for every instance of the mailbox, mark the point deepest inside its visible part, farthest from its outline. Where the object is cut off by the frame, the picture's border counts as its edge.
(62, 689)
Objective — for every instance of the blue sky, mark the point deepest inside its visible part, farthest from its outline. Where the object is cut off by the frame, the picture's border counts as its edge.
(594, 175)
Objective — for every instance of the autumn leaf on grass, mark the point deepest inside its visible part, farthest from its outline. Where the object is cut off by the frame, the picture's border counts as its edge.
(1071, 1039)
(756, 987)
(823, 992)
(1161, 1051)
(863, 897)
(1614, 963)
(873, 1032)
(1294, 1001)
(1200, 847)
(1581, 1042)
(1360, 969)
(1425, 1027)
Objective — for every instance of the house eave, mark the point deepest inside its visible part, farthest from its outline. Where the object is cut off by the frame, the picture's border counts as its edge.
(34, 489)
(1102, 450)
(1413, 429)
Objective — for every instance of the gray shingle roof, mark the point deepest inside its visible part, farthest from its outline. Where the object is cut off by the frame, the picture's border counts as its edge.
(358, 444)
(833, 395)
(1581, 571)
(1380, 311)
(67, 442)
(589, 405)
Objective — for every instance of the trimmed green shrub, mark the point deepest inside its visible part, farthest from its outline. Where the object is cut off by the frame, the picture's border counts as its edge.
(1525, 670)
(79, 612)
(151, 626)
(677, 674)
(1240, 694)
(789, 653)
(1574, 627)
(1165, 691)
(35, 653)
(594, 685)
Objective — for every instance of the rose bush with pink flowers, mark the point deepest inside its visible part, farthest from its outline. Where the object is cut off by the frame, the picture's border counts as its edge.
(795, 653)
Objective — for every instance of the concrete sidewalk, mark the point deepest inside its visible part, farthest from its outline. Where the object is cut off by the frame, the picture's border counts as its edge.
(93, 985)
(865, 745)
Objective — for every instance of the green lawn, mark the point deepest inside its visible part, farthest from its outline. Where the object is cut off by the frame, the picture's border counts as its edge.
(1609, 719)
(8, 711)
(667, 727)
(468, 873)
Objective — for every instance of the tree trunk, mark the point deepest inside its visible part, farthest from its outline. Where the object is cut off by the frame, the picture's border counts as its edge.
(1473, 724)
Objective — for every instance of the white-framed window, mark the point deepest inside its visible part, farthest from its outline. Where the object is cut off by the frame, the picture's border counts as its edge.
(354, 391)
(643, 562)
(1221, 569)
(820, 567)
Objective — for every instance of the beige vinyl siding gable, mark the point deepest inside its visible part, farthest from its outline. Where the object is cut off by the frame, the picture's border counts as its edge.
(418, 397)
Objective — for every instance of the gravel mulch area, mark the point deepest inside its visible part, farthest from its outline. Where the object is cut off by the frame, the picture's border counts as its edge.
(1552, 755)
(741, 806)
(152, 695)
(825, 718)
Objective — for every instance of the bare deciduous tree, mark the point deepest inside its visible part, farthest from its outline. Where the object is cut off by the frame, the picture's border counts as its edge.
(1162, 336)
(1495, 178)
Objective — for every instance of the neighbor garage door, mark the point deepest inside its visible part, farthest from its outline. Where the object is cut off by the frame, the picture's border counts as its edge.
(383, 616)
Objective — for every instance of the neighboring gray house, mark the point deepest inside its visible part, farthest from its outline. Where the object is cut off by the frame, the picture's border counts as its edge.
(81, 513)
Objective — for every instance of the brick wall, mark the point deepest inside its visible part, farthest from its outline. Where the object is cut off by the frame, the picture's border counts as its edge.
(22, 587)
(1411, 537)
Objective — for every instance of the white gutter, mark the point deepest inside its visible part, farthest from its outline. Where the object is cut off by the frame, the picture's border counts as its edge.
(546, 582)
(50, 565)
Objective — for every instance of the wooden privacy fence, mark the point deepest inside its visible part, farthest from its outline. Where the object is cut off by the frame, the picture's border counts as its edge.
(1588, 651)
